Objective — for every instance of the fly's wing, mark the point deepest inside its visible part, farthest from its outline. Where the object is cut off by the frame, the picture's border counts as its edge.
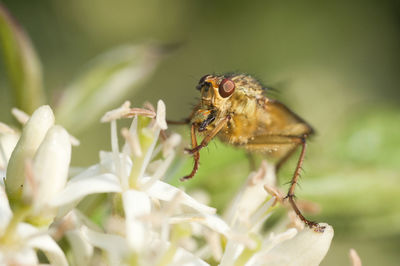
(277, 119)
(279, 130)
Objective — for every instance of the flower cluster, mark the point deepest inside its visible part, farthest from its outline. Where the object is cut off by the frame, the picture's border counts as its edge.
(151, 222)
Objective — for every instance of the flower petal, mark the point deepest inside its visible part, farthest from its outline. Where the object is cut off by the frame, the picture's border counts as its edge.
(93, 170)
(108, 161)
(43, 242)
(170, 144)
(8, 141)
(251, 196)
(185, 258)
(179, 256)
(23, 256)
(212, 221)
(50, 166)
(163, 191)
(5, 210)
(136, 205)
(307, 248)
(82, 251)
(78, 189)
(115, 246)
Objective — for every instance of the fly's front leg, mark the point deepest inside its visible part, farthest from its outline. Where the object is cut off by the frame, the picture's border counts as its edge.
(210, 136)
(196, 155)
(195, 148)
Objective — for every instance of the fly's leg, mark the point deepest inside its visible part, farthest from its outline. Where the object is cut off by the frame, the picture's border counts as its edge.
(210, 136)
(196, 155)
(196, 148)
(294, 181)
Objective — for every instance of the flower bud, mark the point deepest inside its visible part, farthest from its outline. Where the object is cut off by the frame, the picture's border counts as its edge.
(32, 135)
(50, 167)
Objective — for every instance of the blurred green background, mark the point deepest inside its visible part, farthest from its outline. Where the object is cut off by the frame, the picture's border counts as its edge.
(335, 63)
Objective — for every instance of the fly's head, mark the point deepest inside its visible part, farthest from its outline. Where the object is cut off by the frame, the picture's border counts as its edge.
(220, 95)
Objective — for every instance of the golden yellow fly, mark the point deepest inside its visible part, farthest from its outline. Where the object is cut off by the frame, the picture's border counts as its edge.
(235, 109)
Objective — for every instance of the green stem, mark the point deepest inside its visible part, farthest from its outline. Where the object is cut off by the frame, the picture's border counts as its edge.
(168, 255)
(247, 253)
(19, 216)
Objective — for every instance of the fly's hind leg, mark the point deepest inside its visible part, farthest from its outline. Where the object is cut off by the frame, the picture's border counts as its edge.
(290, 195)
(262, 142)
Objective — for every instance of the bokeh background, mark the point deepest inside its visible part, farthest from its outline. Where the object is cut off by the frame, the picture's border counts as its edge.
(335, 63)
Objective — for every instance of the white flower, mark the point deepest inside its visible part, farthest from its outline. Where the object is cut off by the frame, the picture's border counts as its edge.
(158, 224)
(247, 213)
(131, 174)
(117, 173)
(36, 172)
(38, 167)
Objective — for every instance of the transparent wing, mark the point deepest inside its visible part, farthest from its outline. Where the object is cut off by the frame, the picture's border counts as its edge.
(278, 131)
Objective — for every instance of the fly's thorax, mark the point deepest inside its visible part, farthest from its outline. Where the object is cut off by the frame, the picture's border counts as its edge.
(239, 130)
(242, 104)
(245, 113)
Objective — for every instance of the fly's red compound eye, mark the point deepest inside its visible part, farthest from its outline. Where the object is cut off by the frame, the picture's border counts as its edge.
(226, 88)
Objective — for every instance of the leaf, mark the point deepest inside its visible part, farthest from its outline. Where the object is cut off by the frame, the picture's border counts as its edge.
(22, 63)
